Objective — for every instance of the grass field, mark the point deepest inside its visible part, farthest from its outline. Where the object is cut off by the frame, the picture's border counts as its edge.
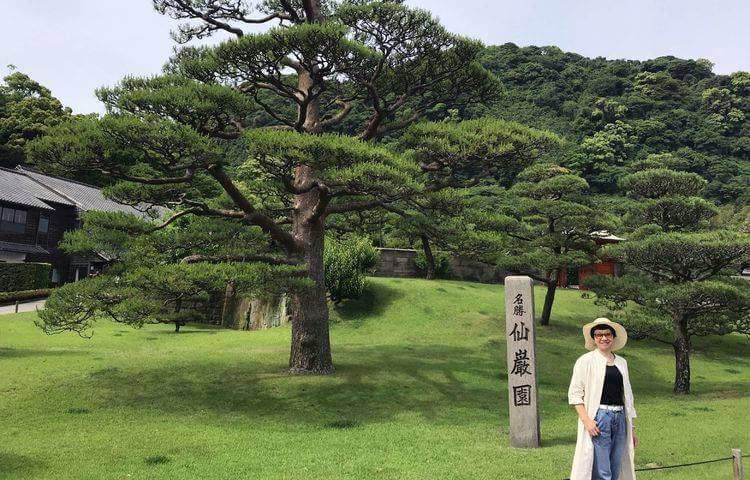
(419, 393)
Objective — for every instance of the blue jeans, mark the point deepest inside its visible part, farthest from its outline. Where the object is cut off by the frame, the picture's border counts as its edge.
(609, 445)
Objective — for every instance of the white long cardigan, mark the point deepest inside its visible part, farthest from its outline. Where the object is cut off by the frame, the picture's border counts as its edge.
(586, 388)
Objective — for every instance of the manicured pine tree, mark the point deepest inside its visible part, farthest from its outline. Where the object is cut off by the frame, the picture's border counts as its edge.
(166, 139)
(464, 168)
(552, 225)
(678, 273)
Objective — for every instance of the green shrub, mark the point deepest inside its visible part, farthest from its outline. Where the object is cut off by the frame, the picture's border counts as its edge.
(6, 297)
(16, 277)
(442, 262)
(346, 262)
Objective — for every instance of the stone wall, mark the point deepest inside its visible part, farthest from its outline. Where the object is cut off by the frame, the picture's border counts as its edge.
(399, 262)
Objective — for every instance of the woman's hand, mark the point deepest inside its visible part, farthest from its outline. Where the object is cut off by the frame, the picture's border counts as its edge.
(591, 427)
(635, 440)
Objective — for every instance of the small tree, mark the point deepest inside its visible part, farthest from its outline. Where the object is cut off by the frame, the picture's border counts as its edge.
(346, 263)
(551, 227)
(680, 281)
(463, 167)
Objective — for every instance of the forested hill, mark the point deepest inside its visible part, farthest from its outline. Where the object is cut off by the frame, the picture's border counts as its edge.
(622, 115)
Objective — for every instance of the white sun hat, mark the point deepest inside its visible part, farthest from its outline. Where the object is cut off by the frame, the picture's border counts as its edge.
(618, 342)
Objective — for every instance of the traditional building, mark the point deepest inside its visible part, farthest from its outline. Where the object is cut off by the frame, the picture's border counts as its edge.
(37, 209)
(606, 266)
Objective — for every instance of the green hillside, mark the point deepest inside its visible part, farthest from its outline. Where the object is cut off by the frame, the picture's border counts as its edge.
(619, 112)
(419, 393)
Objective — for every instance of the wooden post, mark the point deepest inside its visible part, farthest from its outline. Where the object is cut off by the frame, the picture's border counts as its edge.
(521, 340)
(737, 464)
(16, 306)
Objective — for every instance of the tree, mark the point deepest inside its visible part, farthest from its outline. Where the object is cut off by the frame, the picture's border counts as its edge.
(680, 281)
(27, 110)
(458, 162)
(600, 158)
(668, 199)
(166, 138)
(552, 227)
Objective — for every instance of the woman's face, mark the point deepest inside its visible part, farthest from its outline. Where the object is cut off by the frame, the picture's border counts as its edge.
(603, 340)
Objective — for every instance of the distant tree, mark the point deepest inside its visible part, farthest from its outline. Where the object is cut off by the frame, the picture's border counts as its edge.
(27, 110)
(668, 199)
(552, 227)
(679, 281)
(457, 162)
(601, 157)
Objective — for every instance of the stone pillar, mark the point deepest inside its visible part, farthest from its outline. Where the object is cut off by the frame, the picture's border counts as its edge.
(522, 383)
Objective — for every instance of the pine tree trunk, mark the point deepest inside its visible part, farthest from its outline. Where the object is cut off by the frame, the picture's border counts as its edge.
(682, 356)
(429, 258)
(311, 348)
(549, 298)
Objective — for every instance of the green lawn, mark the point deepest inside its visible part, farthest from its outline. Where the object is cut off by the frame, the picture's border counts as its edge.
(419, 393)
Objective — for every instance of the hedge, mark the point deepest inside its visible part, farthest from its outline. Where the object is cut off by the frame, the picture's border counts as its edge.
(15, 277)
(7, 297)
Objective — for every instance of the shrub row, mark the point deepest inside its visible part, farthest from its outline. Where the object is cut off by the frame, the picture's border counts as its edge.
(15, 277)
(7, 297)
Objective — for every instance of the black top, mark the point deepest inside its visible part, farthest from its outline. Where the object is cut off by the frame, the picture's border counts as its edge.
(612, 392)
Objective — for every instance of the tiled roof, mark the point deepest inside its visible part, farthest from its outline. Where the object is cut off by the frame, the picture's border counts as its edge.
(16, 187)
(85, 197)
(21, 248)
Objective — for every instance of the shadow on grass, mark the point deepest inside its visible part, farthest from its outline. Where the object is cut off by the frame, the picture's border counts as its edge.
(374, 301)
(10, 463)
(187, 332)
(561, 440)
(440, 384)
(34, 352)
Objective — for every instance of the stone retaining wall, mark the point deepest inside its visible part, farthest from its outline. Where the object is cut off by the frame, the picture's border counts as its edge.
(399, 262)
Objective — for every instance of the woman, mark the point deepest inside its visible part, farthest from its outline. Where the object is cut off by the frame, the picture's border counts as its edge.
(601, 394)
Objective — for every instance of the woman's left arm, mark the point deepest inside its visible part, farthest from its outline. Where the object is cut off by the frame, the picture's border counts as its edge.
(631, 406)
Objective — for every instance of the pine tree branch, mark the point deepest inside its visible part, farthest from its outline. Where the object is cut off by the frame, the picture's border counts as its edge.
(239, 258)
(252, 216)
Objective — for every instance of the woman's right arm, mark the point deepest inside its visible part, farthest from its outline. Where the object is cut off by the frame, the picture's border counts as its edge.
(590, 425)
(576, 394)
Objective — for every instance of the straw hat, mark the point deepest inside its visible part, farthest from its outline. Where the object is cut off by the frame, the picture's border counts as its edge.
(617, 343)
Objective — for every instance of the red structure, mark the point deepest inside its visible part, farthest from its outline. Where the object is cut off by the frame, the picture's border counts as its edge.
(603, 267)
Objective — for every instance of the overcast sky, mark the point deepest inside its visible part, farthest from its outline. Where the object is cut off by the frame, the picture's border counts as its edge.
(75, 46)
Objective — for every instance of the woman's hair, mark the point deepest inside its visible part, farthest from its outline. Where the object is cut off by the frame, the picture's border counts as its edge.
(602, 327)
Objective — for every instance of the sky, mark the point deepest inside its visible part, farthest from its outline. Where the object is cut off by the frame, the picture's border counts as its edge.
(76, 46)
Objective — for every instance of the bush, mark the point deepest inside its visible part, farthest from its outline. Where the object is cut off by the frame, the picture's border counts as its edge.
(346, 262)
(442, 262)
(15, 277)
(7, 297)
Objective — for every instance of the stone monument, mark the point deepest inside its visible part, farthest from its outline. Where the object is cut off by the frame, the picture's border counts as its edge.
(522, 383)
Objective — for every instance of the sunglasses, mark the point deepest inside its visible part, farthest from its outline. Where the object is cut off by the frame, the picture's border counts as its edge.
(602, 335)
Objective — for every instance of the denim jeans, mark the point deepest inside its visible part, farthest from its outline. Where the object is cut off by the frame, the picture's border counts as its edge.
(609, 445)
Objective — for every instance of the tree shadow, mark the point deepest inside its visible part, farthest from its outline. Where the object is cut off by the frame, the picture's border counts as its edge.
(568, 439)
(374, 301)
(22, 465)
(371, 384)
(32, 352)
(189, 331)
